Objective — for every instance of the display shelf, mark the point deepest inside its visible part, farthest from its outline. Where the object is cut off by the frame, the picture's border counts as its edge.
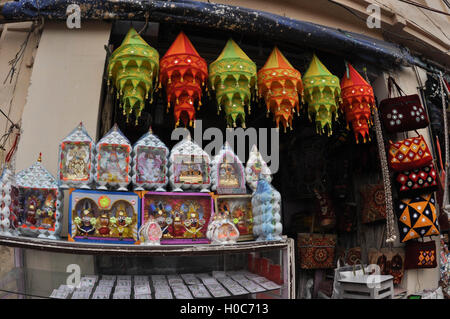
(62, 246)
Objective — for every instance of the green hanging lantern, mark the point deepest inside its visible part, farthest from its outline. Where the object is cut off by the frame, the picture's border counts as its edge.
(133, 69)
(323, 95)
(233, 77)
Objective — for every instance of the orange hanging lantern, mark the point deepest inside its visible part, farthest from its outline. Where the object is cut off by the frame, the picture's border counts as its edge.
(183, 73)
(280, 85)
(358, 103)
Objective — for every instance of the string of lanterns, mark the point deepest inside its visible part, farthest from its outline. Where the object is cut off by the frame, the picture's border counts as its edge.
(136, 73)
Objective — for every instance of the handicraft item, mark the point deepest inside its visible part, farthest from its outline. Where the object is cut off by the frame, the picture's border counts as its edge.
(40, 202)
(133, 70)
(75, 161)
(403, 113)
(266, 205)
(409, 154)
(107, 217)
(374, 203)
(420, 255)
(323, 94)
(150, 233)
(233, 77)
(316, 251)
(416, 181)
(256, 169)
(150, 163)
(183, 74)
(220, 229)
(189, 167)
(183, 218)
(9, 203)
(113, 156)
(390, 260)
(239, 210)
(417, 217)
(280, 85)
(358, 103)
(227, 172)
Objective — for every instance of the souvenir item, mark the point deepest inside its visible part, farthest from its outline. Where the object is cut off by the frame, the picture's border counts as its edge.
(266, 205)
(183, 218)
(280, 85)
(9, 203)
(358, 103)
(316, 251)
(40, 202)
(256, 168)
(76, 154)
(233, 77)
(227, 172)
(239, 209)
(108, 217)
(351, 256)
(325, 212)
(409, 154)
(403, 113)
(150, 162)
(417, 217)
(416, 181)
(133, 70)
(374, 203)
(189, 167)
(113, 156)
(150, 233)
(322, 93)
(221, 230)
(419, 255)
(183, 74)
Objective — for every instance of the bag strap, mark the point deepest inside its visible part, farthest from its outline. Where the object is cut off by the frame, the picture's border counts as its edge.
(392, 83)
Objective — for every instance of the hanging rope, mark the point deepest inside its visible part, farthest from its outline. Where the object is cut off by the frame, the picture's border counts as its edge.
(446, 143)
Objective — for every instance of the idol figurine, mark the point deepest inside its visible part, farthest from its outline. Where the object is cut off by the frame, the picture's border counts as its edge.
(48, 212)
(178, 227)
(163, 218)
(193, 224)
(104, 225)
(86, 224)
(150, 233)
(31, 214)
(121, 224)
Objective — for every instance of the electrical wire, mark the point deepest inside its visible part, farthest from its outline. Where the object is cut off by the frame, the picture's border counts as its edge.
(424, 7)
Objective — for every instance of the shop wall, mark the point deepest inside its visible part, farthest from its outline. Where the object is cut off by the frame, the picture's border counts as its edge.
(65, 89)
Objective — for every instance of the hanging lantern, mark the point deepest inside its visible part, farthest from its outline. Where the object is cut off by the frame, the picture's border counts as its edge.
(322, 93)
(233, 77)
(183, 74)
(133, 69)
(357, 103)
(280, 85)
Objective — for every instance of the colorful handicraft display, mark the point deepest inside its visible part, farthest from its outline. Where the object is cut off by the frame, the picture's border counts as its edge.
(183, 73)
(150, 161)
(358, 103)
(133, 69)
(40, 202)
(266, 205)
(183, 218)
(76, 154)
(227, 172)
(9, 203)
(109, 217)
(233, 77)
(150, 233)
(239, 210)
(189, 167)
(280, 85)
(113, 156)
(256, 168)
(417, 217)
(323, 94)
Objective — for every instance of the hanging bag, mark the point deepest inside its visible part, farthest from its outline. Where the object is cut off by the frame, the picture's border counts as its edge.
(410, 153)
(416, 181)
(420, 255)
(403, 113)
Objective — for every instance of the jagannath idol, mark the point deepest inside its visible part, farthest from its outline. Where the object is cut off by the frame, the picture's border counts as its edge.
(103, 225)
(163, 217)
(86, 224)
(48, 212)
(228, 175)
(193, 223)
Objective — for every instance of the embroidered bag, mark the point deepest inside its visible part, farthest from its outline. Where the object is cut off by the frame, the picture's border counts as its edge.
(316, 251)
(419, 180)
(420, 255)
(374, 203)
(417, 217)
(403, 113)
(409, 154)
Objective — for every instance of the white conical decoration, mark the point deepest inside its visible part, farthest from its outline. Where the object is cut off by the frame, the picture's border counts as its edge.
(256, 168)
(41, 200)
(150, 163)
(75, 160)
(189, 167)
(113, 161)
(227, 172)
(9, 196)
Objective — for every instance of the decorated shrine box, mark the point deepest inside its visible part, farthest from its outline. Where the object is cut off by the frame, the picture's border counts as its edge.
(183, 217)
(106, 217)
(239, 210)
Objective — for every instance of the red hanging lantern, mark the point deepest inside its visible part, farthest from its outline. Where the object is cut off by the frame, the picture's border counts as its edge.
(358, 103)
(183, 73)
